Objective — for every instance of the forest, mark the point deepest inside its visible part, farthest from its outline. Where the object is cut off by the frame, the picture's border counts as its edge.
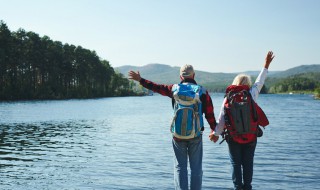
(299, 83)
(35, 67)
(303, 79)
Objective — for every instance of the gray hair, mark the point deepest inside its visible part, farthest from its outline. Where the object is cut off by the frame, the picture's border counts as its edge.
(242, 79)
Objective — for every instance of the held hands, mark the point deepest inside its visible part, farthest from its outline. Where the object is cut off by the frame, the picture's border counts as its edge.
(134, 75)
(213, 138)
(269, 59)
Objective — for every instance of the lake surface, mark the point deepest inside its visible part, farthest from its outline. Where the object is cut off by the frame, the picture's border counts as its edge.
(125, 143)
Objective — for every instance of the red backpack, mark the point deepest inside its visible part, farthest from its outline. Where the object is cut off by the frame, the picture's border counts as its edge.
(242, 115)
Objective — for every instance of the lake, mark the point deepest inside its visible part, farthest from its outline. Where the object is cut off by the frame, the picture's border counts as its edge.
(125, 143)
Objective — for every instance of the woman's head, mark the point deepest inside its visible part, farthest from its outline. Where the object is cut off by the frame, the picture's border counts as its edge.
(242, 79)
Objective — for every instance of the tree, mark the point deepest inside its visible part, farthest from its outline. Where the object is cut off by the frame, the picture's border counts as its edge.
(5, 52)
(34, 67)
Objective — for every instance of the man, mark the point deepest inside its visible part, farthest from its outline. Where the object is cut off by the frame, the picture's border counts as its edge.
(190, 146)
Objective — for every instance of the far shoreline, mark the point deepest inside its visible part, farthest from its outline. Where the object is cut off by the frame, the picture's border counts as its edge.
(142, 94)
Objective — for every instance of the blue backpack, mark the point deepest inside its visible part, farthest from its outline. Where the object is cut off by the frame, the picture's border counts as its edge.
(187, 120)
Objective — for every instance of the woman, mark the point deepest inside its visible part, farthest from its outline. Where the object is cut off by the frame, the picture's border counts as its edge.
(241, 150)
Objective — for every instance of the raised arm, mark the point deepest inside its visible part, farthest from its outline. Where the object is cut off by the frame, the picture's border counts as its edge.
(257, 86)
(164, 90)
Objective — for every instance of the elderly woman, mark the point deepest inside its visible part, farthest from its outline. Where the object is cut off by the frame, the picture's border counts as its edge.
(242, 140)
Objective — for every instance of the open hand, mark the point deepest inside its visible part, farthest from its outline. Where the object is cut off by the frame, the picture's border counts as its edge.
(134, 75)
(269, 59)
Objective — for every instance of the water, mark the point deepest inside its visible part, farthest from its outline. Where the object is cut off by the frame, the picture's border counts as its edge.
(124, 143)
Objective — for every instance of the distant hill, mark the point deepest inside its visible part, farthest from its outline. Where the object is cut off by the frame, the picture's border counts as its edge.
(165, 74)
(161, 73)
(296, 70)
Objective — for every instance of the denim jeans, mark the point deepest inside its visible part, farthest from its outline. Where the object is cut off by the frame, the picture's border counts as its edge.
(183, 149)
(242, 155)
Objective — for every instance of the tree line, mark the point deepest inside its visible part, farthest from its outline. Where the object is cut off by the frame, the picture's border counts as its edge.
(301, 83)
(34, 67)
(305, 82)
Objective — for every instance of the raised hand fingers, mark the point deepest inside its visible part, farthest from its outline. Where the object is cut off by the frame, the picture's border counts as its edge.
(270, 56)
(134, 75)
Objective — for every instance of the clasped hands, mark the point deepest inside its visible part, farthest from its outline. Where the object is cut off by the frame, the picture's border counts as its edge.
(213, 138)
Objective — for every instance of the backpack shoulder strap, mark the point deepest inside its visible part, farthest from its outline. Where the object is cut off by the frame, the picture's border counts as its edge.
(254, 110)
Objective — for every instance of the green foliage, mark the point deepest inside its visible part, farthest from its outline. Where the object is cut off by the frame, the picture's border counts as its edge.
(164, 74)
(317, 93)
(34, 67)
(302, 69)
(277, 82)
(216, 86)
(300, 82)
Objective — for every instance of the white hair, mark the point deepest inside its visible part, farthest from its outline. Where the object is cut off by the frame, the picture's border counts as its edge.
(242, 79)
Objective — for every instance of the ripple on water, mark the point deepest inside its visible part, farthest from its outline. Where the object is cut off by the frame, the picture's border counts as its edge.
(124, 143)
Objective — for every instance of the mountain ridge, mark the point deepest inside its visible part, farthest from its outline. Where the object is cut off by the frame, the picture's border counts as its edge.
(165, 74)
(158, 67)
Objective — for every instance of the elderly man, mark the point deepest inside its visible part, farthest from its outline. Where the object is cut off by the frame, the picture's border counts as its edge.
(190, 102)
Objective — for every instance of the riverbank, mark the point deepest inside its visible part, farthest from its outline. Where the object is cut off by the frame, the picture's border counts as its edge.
(315, 94)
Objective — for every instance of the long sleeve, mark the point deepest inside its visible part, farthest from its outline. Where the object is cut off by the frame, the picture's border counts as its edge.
(208, 111)
(164, 90)
(257, 86)
(220, 126)
(254, 90)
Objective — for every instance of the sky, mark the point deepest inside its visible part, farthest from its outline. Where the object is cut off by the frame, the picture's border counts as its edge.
(212, 35)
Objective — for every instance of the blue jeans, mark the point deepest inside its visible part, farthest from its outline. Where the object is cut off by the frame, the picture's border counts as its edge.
(242, 155)
(183, 149)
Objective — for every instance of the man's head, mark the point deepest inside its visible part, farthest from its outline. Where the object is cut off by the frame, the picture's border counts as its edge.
(186, 71)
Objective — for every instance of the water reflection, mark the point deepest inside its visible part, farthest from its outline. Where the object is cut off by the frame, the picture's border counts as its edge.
(124, 143)
(34, 142)
(49, 153)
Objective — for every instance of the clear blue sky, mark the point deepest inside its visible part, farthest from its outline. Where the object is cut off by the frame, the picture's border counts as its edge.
(212, 35)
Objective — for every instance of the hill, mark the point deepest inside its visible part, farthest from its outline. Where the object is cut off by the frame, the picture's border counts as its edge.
(214, 82)
(161, 73)
(296, 70)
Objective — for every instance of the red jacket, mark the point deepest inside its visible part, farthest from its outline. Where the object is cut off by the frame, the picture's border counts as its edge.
(261, 119)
